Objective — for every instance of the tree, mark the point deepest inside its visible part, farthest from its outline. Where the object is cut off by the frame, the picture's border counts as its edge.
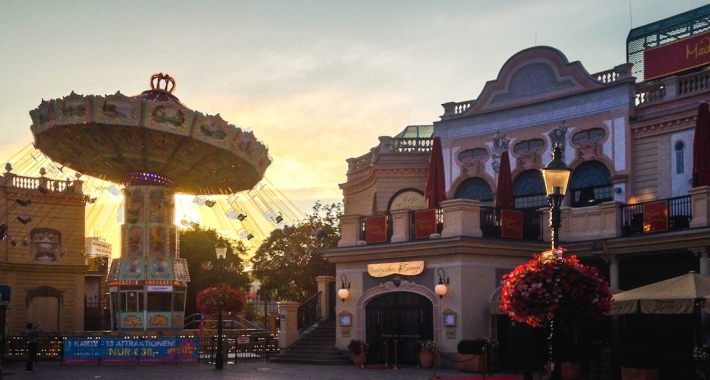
(197, 246)
(290, 259)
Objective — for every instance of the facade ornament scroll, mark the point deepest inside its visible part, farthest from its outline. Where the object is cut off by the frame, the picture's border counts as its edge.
(588, 151)
(500, 145)
(390, 285)
(529, 161)
(473, 168)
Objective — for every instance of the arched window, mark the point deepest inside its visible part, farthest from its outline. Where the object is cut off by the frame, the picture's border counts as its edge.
(594, 134)
(529, 190)
(590, 184)
(477, 189)
(534, 145)
(473, 154)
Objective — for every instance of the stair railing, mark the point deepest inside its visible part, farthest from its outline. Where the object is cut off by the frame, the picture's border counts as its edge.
(309, 312)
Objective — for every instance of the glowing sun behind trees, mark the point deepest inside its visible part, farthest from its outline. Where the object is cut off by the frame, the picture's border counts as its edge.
(551, 286)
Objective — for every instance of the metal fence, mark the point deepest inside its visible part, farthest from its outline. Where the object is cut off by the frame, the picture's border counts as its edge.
(679, 214)
(239, 346)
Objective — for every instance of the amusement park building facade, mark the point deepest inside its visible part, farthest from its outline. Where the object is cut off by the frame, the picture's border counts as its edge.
(629, 142)
(41, 254)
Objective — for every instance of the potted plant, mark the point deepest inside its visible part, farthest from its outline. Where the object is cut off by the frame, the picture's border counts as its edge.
(571, 362)
(426, 353)
(702, 362)
(639, 363)
(470, 355)
(358, 349)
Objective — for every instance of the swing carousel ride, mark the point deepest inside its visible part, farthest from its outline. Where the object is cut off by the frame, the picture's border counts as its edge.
(142, 150)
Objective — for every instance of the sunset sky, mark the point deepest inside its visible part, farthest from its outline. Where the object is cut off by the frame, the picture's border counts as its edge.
(317, 81)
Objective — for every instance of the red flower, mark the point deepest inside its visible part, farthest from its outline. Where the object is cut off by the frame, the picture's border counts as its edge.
(208, 300)
(552, 286)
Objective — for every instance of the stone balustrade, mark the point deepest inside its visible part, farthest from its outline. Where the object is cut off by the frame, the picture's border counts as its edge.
(461, 218)
(672, 87)
(42, 184)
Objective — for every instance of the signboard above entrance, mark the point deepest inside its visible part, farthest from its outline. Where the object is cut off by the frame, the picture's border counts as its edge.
(408, 268)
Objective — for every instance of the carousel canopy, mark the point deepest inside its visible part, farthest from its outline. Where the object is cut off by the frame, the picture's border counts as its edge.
(150, 138)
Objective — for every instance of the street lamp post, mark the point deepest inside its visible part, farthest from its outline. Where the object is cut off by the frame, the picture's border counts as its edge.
(556, 175)
(221, 250)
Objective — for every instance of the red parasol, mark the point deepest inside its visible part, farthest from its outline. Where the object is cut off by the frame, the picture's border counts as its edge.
(435, 191)
(701, 148)
(504, 191)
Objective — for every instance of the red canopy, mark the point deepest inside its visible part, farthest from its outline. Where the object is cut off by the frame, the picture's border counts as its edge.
(435, 191)
(701, 148)
(504, 191)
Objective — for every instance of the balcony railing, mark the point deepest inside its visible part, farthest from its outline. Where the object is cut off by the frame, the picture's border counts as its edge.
(363, 234)
(490, 226)
(679, 216)
(672, 87)
(464, 218)
(413, 221)
(411, 145)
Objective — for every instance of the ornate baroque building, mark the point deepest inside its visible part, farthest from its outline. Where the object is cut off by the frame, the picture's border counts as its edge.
(626, 133)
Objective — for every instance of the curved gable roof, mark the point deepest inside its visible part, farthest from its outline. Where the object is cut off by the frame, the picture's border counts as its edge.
(533, 75)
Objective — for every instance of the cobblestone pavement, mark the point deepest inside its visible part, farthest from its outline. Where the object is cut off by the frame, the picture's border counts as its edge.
(250, 371)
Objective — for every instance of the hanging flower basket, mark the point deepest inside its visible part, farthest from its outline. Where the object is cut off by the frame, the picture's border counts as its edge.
(208, 300)
(551, 286)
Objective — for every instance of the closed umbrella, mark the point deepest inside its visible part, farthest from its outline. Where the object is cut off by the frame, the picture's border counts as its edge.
(701, 148)
(435, 191)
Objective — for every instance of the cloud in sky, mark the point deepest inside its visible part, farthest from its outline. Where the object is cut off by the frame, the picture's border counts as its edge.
(317, 81)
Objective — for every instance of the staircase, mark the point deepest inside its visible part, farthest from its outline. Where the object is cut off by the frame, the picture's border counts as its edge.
(316, 347)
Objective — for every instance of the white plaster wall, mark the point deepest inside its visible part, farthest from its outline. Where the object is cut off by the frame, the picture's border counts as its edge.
(681, 182)
(619, 149)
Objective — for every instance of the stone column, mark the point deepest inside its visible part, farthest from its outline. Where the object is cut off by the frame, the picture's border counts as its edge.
(704, 262)
(700, 206)
(614, 273)
(349, 230)
(325, 295)
(400, 226)
(288, 317)
(462, 217)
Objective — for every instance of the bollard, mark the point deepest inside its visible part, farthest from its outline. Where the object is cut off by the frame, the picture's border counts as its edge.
(436, 350)
(395, 354)
(386, 353)
(485, 362)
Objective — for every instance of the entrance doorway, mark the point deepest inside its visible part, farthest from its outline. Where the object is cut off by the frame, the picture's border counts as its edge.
(395, 322)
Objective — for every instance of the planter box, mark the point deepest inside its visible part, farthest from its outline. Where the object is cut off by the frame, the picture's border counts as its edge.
(359, 359)
(570, 370)
(638, 374)
(426, 359)
(470, 363)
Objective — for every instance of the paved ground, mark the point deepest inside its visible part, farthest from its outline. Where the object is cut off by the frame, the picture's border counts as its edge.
(251, 371)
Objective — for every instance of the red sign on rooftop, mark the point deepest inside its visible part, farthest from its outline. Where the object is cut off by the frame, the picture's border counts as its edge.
(677, 56)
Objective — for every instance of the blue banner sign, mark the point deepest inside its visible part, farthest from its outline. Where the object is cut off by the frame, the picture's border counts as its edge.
(131, 350)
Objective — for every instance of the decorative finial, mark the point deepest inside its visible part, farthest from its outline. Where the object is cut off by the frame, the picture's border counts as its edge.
(42, 171)
(162, 82)
(8, 167)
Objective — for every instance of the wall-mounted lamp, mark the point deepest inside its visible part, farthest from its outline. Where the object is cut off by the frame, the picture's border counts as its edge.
(343, 293)
(441, 288)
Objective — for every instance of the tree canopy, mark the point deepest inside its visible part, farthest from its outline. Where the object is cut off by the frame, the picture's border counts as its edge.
(197, 246)
(290, 259)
